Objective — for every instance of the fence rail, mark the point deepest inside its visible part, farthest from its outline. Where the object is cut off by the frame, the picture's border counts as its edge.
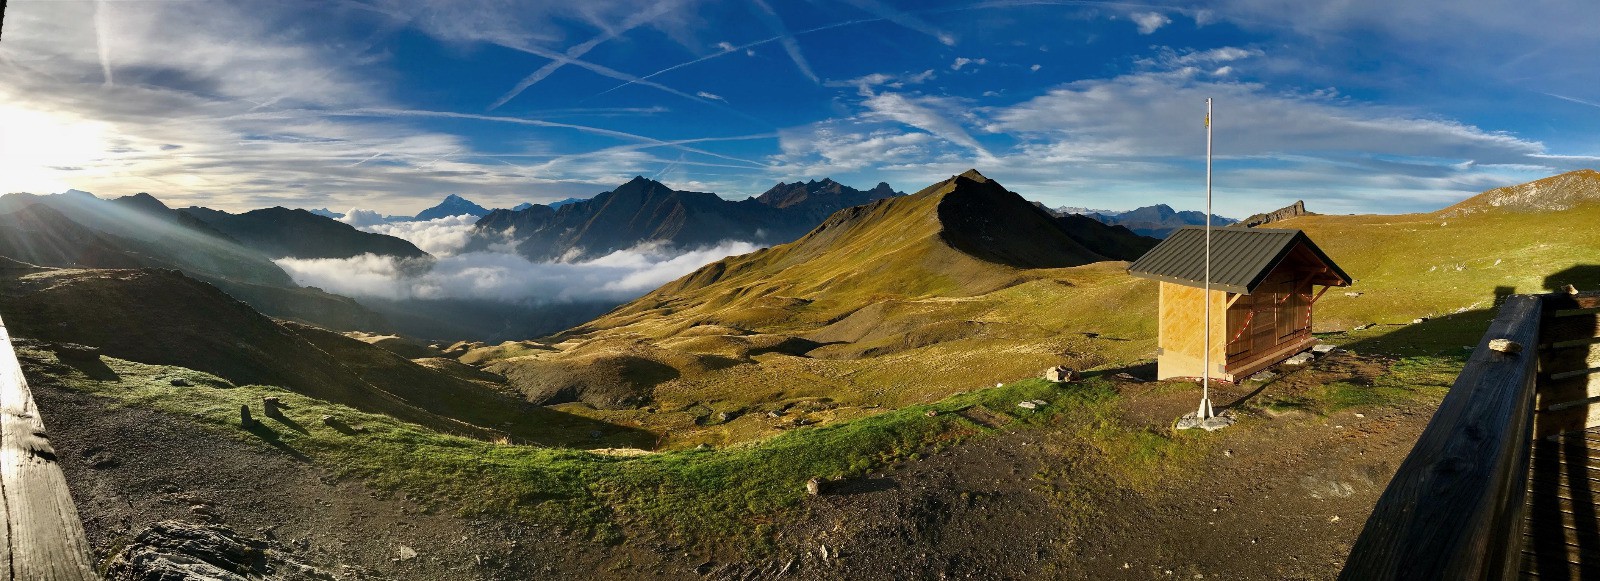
(1455, 508)
(41, 536)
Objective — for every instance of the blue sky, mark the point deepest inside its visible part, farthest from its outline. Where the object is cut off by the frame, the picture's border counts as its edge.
(1355, 106)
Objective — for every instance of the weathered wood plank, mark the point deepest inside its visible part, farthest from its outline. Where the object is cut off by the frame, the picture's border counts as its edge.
(1454, 510)
(44, 538)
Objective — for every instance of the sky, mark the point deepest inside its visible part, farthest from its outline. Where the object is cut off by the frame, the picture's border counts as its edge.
(1353, 105)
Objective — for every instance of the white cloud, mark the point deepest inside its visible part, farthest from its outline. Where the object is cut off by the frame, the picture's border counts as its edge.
(440, 237)
(361, 218)
(713, 96)
(1149, 22)
(962, 61)
(505, 277)
(932, 114)
(1034, 68)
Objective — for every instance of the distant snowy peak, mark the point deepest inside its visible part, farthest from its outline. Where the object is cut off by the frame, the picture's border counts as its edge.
(326, 213)
(452, 205)
(563, 202)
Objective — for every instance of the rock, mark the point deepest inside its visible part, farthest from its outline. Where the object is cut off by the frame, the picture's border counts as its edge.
(405, 553)
(269, 407)
(177, 550)
(1298, 208)
(1302, 358)
(179, 382)
(931, 413)
(245, 421)
(814, 486)
(1263, 376)
(1352, 294)
(76, 352)
(723, 417)
(1505, 346)
(1419, 320)
(1027, 405)
(1569, 289)
(1039, 402)
(1365, 327)
(1060, 374)
(1128, 377)
(1322, 349)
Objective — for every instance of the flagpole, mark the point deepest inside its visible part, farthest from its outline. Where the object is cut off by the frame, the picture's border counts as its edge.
(1205, 378)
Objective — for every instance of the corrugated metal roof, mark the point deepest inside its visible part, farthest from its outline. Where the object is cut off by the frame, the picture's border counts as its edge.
(1240, 257)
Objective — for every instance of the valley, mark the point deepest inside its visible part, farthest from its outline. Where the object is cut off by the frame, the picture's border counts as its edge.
(885, 353)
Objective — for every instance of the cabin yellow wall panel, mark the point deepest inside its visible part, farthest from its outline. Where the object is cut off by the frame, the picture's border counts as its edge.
(1182, 340)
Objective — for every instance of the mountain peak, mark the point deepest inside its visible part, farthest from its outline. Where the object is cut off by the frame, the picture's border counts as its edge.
(143, 201)
(972, 174)
(453, 205)
(1552, 194)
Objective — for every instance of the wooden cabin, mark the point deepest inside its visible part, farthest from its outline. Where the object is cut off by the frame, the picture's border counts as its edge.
(1263, 289)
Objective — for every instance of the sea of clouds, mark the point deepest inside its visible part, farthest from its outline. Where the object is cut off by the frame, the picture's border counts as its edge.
(497, 274)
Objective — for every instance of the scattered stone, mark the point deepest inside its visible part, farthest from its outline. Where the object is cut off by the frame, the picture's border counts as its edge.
(723, 417)
(405, 553)
(1228, 453)
(1191, 420)
(1092, 335)
(774, 414)
(1569, 289)
(1419, 320)
(999, 385)
(176, 550)
(1361, 415)
(823, 548)
(931, 413)
(1128, 377)
(1039, 402)
(1027, 405)
(1263, 376)
(269, 407)
(1334, 519)
(1302, 358)
(1322, 349)
(1060, 374)
(1505, 346)
(245, 421)
(1365, 327)
(179, 382)
(814, 486)
(76, 352)
(1352, 294)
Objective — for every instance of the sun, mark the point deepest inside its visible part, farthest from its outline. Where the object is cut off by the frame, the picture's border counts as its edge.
(45, 152)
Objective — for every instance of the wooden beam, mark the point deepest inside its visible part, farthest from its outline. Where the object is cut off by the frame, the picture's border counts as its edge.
(1576, 312)
(41, 537)
(1567, 374)
(1320, 292)
(1235, 299)
(1455, 508)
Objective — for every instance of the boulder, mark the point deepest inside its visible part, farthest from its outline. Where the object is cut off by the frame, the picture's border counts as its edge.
(1322, 349)
(1060, 374)
(1302, 358)
(76, 352)
(1027, 405)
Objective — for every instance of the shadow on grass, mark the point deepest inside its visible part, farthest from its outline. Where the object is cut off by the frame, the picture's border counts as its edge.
(1451, 335)
(94, 368)
(270, 436)
(1143, 371)
(856, 486)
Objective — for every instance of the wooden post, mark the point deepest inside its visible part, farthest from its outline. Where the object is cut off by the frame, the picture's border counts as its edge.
(41, 536)
(1454, 509)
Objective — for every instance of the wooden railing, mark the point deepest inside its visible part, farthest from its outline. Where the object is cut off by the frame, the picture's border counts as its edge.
(41, 537)
(1455, 508)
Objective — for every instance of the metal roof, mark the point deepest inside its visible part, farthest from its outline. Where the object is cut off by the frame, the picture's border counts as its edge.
(1240, 257)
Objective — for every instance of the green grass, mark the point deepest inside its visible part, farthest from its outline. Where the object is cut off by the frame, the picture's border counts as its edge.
(1408, 380)
(728, 495)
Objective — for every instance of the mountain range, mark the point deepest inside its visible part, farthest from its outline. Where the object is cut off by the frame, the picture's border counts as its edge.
(647, 211)
(1159, 220)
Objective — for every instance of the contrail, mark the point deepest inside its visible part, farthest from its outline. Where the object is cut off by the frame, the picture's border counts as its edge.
(739, 48)
(621, 76)
(789, 43)
(374, 156)
(1573, 99)
(578, 50)
(102, 38)
(905, 19)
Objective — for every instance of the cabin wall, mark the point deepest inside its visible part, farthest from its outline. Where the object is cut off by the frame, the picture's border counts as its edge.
(1182, 338)
(1272, 323)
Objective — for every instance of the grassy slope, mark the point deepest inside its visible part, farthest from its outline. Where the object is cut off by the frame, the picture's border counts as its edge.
(722, 496)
